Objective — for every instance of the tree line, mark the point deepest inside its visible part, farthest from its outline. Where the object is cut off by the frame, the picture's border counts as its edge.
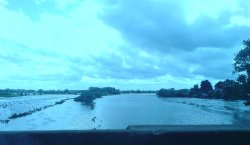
(88, 96)
(23, 92)
(228, 89)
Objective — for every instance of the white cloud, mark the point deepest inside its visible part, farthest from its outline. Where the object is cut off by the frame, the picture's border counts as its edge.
(79, 34)
(3, 2)
(195, 9)
(240, 21)
(65, 3)
(75, 48)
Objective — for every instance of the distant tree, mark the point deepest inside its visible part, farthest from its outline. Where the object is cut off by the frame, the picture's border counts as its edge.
(242, 67)
(166, 92)
(40, 91)
(242, 60)
(161, 92)
(88, 96)
(182, 93)
(232, 90)
(66, 91)
(219, 85)
(194, 92)
(196, 88)
(206, 86)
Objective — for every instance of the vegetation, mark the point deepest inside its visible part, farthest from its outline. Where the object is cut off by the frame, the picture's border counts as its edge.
(137, 91)
(88, 96)
(173, 93)
(228, 89)
(7, 93)
(22, 92)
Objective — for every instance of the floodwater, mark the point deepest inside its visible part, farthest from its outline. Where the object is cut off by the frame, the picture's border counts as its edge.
(116, 112)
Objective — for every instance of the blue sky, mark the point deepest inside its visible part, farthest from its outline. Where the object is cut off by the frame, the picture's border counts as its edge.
(142, 44)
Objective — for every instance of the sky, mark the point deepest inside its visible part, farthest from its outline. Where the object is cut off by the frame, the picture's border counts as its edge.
(127, 44)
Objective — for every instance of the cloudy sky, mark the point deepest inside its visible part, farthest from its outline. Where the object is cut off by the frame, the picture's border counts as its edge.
(128, 44)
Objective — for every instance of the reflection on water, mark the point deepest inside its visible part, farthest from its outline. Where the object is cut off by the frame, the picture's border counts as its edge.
(90, 105)
(241, 118)
(119, 111)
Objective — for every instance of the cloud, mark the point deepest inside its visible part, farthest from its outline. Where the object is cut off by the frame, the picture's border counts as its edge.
(211, 62)
(163, 25)
(128, 44)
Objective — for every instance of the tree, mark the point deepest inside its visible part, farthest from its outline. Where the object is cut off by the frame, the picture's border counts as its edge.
(66, 91)
(219, 85)
(206, 86)
(40, 91)
(242, 66)
(242, 60)
(242, 79)
(233, 90)
(194, 92)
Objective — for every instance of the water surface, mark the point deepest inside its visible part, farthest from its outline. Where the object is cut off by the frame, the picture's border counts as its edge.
(119, 111)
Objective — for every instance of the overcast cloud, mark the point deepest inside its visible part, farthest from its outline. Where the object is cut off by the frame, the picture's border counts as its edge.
(128, 44)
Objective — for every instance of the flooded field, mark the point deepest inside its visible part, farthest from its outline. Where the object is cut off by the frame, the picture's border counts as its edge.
(60, 112)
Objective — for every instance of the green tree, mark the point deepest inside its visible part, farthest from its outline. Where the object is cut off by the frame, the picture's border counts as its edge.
(40, 91)
(242, 60)
(194, 92)
(242, 79)
(232, 90)
(242, 67)
(219, 85)
(206, 86)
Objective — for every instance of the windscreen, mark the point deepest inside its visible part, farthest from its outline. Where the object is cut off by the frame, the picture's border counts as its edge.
(109, 64)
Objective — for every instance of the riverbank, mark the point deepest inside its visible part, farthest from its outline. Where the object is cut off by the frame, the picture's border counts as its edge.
(19, 107)
(246, 103)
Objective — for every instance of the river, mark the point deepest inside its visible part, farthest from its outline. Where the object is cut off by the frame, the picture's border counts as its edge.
(116, 112)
